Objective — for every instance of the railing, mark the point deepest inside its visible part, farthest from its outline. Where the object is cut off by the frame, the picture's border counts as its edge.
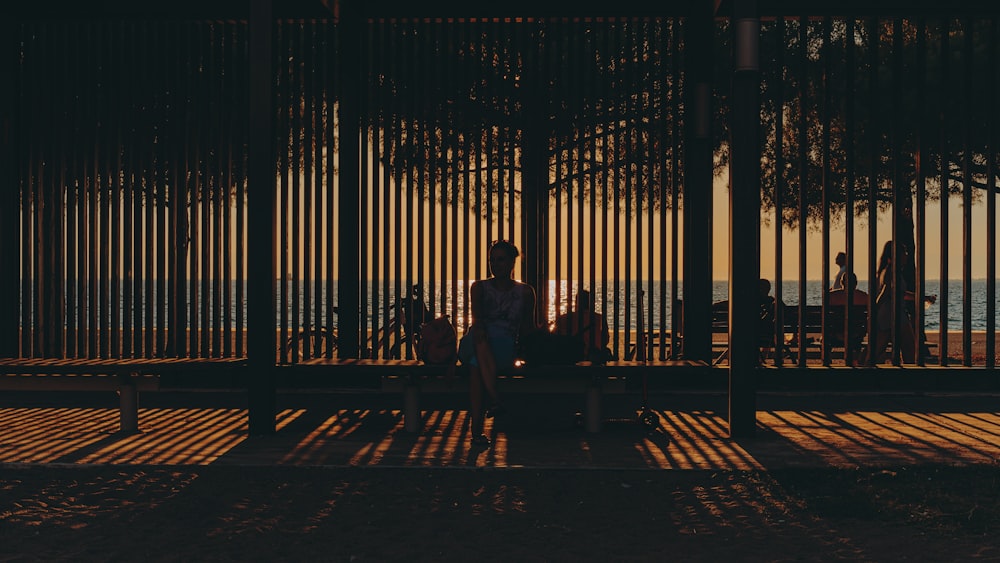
(566, 136)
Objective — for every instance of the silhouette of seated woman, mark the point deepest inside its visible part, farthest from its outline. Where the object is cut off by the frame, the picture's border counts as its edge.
(837, 299)
(503, 309)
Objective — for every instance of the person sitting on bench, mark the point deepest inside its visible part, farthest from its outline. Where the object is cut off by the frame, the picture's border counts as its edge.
(502, 310)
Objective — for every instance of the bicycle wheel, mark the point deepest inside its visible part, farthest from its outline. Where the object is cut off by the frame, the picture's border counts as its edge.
(312, 343)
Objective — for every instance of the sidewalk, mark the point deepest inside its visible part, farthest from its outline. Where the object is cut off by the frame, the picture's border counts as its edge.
(794, 431)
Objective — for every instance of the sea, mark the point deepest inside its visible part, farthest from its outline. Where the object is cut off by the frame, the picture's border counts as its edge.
(626, 301)
(617, 302)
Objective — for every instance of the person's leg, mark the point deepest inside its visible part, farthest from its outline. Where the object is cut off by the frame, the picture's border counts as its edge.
(906, 341)
(469, 356)
(876, 351)
(487, 369)
(476, 412)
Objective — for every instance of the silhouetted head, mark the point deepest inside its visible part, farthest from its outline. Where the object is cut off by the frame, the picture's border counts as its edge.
(583, 300)
(502, 255)
(841, 258)
(765, 287)
(886, 259)
(849, 282)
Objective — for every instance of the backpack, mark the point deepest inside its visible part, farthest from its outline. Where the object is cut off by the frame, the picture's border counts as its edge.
(437, 342)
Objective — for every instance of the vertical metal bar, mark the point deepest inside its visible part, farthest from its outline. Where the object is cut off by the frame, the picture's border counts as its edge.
(184, 222)
(57, 272)
(676, 136)
(420, 135)
(404, 187)
(307, 43)
(826, 113)
(779, 186)
(438, 232)
(128, 173)
(103, 179)
(94, 241)
(72, 186)
(991, 197)
(240, 138)
(391, 124)
(38, 181)
(967, 85)
(491, 33)
(391, 128)
(579, 175)
(452, 38)
(136, 171)
(52, 181)
(319, 37)
(484, 149)
(201, 291)
(216, 187)
(872, 154)
(850, 168)
(115, 171)
(895, 156)
(297, 70)
(944, 91)
(616, 180)
(208, 258)
(803, 181)
(153, 228)
(283, 130)
(633, 201)
(921, 180)
(370, 204)
(398, 53)
(228, 179)
(513, 172)
(555, 198)
(467, 38)
(445, 170)
(330, 80)
(475, 153)
(651, 36)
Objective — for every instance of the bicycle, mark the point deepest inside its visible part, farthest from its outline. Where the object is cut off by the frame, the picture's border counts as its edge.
(404, 327)
(311, 342)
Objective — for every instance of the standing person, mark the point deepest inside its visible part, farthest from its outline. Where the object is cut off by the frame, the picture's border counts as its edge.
(838, 280)
(884, 311)
(589, 325)
(503, 309)
(768, 316)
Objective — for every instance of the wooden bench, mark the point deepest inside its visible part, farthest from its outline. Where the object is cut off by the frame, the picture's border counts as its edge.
(831, 335)
(125, 376)
(411, 378)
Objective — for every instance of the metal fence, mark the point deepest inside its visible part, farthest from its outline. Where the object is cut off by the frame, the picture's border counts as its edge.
(565, 136)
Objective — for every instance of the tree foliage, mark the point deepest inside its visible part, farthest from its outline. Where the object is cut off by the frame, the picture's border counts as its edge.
(600, 99)
(847, 107)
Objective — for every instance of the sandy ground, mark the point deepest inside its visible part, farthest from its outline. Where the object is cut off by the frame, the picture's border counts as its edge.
(357, 515)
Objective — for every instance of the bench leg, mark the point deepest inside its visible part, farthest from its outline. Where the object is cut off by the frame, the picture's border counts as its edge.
(593, 410)
(412, 420)
(128, 406)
